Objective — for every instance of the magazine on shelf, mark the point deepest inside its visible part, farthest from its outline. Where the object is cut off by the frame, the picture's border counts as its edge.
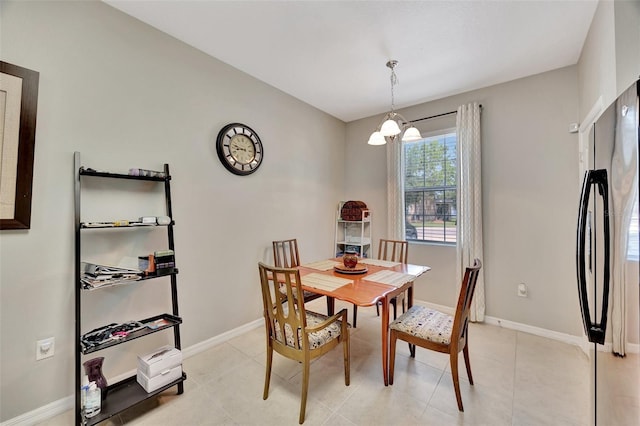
(94, 275)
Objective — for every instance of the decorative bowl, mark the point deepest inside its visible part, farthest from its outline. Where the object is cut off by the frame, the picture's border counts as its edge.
(350, 259)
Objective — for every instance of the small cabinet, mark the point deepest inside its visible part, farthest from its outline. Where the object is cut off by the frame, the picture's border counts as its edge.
(91, 279)
(353, 235)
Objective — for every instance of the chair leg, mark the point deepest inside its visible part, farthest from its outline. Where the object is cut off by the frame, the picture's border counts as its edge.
(378, 309)
(347, 367)
(412, 350)
(465, 352)
(355, 315)
(453, 359)
(392, 354)
(305, 388)
(394, 303)
(267, 377)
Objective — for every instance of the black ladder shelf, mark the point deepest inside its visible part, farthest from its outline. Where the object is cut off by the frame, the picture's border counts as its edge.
(125, 393)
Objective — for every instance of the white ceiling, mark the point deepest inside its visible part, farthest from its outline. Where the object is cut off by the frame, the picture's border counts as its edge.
(332, 54)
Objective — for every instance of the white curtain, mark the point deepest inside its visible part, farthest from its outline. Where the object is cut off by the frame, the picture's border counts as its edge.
(469, 194)
(624, 188)
(395, 190)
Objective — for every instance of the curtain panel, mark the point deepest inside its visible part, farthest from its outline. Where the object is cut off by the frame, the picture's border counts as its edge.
(469, 195)
(395, 190)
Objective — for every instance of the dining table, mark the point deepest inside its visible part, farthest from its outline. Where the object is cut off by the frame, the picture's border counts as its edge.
(370, 282)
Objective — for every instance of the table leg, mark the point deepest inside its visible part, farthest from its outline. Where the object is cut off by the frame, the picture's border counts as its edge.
(385, 340)
(331, 305)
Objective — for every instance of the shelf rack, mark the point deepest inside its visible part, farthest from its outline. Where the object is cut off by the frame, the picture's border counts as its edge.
(125, 393)
(354, 234)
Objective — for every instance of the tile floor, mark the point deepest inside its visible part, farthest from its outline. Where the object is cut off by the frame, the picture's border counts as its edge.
(520, 379)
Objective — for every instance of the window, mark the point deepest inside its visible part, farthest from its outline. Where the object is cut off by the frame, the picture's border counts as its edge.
(430, 203)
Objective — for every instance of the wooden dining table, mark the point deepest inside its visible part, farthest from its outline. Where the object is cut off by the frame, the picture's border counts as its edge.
(382, 281)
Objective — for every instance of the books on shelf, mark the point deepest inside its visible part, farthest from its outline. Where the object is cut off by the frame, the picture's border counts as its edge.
(94, 276)
(164, 260)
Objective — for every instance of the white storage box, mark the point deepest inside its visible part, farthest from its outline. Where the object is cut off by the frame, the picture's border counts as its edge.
(159, 361)
(152, 383)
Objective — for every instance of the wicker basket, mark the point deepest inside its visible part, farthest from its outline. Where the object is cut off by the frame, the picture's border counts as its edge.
(354, 210)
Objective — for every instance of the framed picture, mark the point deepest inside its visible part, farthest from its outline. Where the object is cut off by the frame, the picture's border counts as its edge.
(18, 107)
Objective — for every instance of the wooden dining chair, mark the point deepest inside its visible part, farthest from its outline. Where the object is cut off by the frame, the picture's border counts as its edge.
(294, 332)
(438, 331)
(286, 255)
(393, 251)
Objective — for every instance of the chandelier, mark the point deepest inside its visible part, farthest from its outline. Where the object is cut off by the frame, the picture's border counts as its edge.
(393, 123)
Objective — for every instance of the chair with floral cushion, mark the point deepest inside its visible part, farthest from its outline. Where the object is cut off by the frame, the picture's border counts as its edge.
(294, 332)
(286, 255)
(438, 331)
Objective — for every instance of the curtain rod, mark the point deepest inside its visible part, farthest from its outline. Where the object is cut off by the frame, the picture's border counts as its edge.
(436, 116)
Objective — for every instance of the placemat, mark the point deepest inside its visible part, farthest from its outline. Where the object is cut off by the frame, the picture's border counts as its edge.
(324, 282)
(377, 262)
(393, 278)
(321, 265)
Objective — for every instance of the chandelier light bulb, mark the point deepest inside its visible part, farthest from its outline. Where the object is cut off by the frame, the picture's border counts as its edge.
(390, 128)
(411, 134)
(376, 138)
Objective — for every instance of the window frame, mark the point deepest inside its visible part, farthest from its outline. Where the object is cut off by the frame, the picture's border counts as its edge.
(426, 135)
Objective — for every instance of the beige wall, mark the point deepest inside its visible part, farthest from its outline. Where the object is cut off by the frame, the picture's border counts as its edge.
(597, 64)
(126, 95)
(530, 193)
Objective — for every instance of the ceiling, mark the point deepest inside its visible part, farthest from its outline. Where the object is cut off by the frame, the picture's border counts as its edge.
(332, 54)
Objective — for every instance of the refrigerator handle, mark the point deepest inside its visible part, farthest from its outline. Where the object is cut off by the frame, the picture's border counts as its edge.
(595, 331)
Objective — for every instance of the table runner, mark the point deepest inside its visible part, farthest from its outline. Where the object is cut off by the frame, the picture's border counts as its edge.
(377, 262)
(324, 282)
(322, 265)
(393, 278)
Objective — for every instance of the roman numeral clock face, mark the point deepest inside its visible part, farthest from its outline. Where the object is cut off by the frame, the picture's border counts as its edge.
(239, 149)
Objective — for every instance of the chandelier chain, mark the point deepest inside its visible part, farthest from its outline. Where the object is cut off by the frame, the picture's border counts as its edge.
(394, 81)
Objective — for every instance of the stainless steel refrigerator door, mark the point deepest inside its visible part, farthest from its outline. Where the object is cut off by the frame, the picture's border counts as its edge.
(615, 380)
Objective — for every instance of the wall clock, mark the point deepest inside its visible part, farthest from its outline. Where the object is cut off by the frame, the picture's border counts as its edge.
(239, 149)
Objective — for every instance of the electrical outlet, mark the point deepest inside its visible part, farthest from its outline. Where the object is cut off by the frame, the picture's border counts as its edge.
(45, 348)
(522, 290)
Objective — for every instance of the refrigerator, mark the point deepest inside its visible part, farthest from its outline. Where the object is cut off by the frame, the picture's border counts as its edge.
(607, 261)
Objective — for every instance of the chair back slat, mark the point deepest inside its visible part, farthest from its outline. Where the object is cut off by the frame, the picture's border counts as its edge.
(393, 250)
(285, 253)
(282, 310)
(461, 318)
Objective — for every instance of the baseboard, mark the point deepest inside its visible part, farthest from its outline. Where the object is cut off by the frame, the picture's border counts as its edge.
(536, 331)
(580, 341)
(43, 413)
(221, 338)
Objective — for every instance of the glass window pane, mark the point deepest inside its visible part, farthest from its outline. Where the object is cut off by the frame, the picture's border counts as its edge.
(430, 188)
